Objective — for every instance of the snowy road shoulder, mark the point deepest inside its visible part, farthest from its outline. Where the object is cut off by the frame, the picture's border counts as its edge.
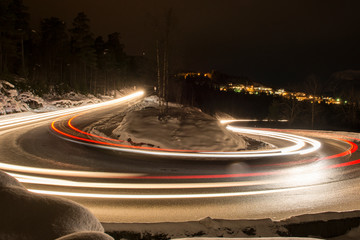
(331, 225)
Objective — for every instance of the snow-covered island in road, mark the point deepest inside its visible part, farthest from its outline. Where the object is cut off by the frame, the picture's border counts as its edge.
(179, 128)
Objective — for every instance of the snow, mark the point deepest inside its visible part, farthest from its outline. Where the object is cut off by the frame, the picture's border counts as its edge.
(180, 128)
(353, 234)
(183, 128)
(328, 225)
(13, 101)
(86, 236)
(8, 99)
(26, 215)
(265, 238)
(204, 229)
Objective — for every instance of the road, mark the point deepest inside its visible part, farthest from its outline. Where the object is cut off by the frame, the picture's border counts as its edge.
(54, 156)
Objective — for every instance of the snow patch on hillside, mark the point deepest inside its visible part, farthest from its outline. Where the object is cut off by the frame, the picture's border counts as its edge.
(14, 101)
(10, 100)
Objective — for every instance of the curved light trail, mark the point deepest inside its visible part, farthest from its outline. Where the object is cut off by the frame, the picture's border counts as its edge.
(298, 173)
(300, 146)
(158, 196)
(14, 122)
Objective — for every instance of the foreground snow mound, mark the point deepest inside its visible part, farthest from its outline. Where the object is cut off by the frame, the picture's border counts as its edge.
(26, 215)
(86, 236)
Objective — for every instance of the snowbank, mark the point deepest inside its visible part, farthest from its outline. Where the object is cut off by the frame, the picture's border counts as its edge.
(331, 225)
(353, 234)
(25, 215)
(204, 228)
(14, 101)
(10, 101)
(265, 238)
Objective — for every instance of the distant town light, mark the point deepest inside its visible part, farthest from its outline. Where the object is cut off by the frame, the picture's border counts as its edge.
(249, 88)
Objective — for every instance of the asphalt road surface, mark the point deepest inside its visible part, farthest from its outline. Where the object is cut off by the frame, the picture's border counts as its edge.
(129, 186)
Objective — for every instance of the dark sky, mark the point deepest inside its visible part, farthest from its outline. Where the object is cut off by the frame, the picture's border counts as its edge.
(270, 41)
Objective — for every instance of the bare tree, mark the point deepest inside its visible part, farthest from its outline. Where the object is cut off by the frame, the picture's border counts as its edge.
(169, 24)
(313, 86)
(159, 86)
(291, 109)
(162, 49)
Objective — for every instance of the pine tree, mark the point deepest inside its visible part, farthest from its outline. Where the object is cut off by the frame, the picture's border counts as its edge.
(53, 53)
(99, 80)
(83, 51)
(115, 61)
(14, 28)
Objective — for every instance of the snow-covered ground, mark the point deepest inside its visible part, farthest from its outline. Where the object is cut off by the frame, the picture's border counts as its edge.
(265, 238)
(13, 101)
(331, 225)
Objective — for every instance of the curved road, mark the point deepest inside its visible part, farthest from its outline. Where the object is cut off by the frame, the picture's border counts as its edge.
(119, 186)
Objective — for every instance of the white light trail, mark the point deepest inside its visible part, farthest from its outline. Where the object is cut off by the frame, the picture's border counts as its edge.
(164, 196)
(300, 147)
(65, 173)
(68, 183)
(226, 121)
(49, 115)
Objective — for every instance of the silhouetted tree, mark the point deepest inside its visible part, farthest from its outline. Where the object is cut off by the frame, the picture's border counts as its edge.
(52, 54)
(162, 33)
(314, 87)
(82, 49)
(275, 110)
(291, 108)
(346, 86)
(14, 28)
(99, 80)
(115, 61)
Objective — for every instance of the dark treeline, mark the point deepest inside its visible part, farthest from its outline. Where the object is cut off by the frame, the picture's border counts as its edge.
(61, 58)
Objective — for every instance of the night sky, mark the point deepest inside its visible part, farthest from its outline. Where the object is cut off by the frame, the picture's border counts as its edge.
(271, 41)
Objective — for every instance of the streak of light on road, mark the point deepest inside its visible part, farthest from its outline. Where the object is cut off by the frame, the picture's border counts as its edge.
(12, 122)
(164, 196)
